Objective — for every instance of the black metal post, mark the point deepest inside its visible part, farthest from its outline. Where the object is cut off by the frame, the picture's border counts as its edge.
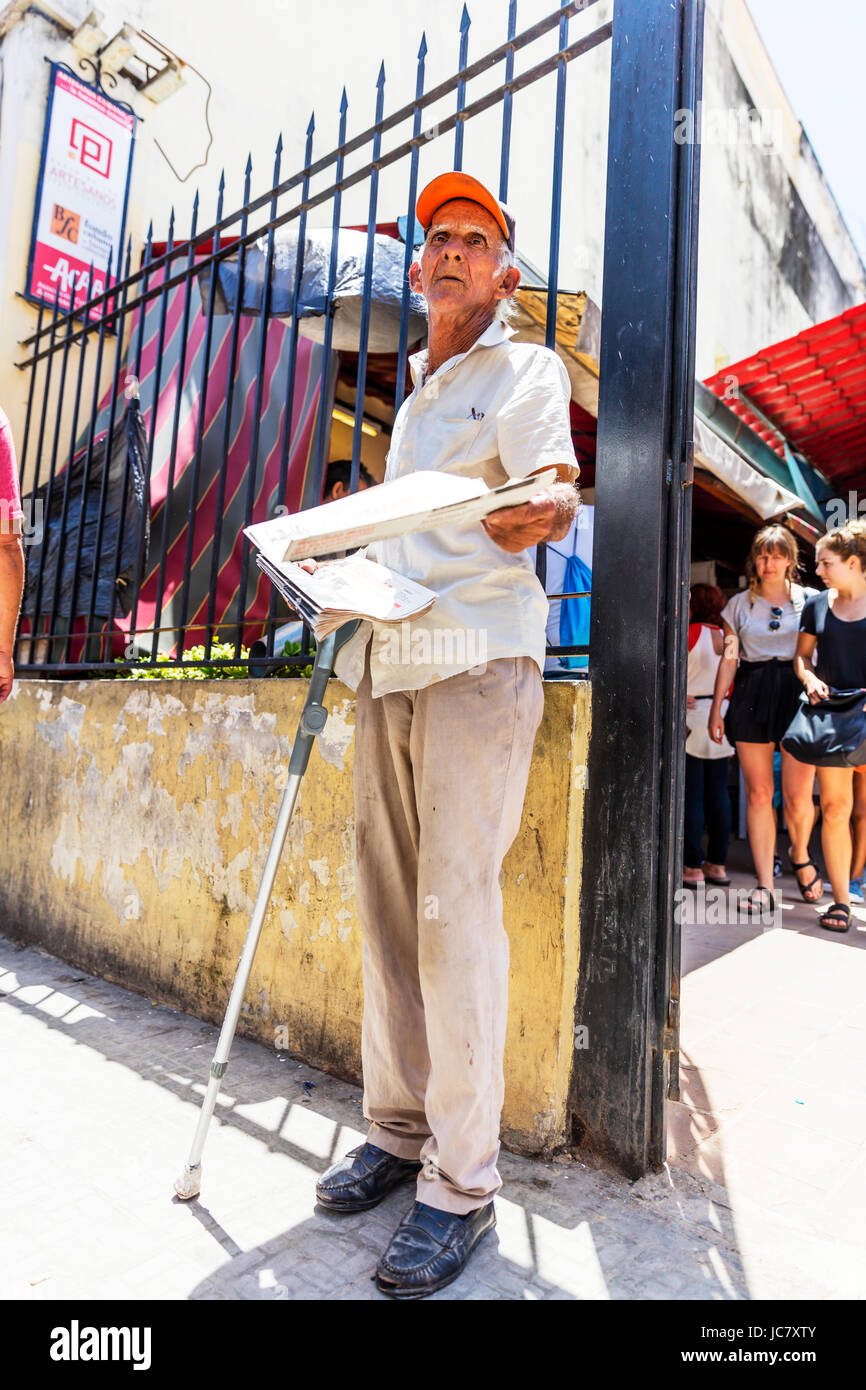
(555, 222)
(103, 491)
(121, 533)
(366, 295)
(465, 22)
(227, 417)
(633, 802)
(291, 373)
(154, 408)
(199, 433)
(507, 102)
(679, 544)
(167, 516)
(403, 346)
(556, 190)
(323, 419)
(252, 471)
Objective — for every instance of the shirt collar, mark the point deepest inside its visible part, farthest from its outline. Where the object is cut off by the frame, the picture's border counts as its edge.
(496, 332)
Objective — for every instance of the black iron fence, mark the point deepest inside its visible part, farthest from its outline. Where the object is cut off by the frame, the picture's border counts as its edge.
(194, 395)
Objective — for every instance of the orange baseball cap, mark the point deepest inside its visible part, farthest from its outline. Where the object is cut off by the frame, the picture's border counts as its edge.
(457, 185)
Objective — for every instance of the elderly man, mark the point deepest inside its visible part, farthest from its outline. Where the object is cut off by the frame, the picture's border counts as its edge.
(11, 555)
(444, 735)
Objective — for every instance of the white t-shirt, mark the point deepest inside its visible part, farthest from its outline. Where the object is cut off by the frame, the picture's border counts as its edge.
(498, 411)
(751, 623)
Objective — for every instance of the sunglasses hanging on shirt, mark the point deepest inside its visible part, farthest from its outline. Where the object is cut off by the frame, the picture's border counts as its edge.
(775, 621)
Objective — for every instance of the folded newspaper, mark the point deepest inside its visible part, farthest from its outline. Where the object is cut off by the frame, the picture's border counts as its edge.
(420, 501)
(341, 590)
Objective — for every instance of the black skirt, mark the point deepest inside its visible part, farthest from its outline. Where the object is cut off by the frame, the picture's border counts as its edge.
(764, 700)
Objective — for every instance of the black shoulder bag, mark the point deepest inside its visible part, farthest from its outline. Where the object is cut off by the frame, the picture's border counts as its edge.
(829, 734)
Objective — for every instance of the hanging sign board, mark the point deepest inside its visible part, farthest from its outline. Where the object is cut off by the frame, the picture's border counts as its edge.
(82, 192)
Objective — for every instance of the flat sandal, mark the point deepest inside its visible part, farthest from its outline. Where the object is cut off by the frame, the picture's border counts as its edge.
(835, 913)
(804, 887)
(759, 907)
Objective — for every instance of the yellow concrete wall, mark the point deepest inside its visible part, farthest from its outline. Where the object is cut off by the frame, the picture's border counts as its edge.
(135, 821)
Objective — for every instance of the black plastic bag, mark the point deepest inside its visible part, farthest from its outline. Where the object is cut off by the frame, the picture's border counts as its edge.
(126, 523)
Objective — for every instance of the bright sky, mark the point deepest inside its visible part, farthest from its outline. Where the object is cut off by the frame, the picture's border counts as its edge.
(818, 52)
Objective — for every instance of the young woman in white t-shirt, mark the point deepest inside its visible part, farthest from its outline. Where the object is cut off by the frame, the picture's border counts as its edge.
(761, 625)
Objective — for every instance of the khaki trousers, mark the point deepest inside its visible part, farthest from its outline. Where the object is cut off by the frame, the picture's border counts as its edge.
(440, 777)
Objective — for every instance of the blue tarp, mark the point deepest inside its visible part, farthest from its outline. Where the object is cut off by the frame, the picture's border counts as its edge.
(346, 305)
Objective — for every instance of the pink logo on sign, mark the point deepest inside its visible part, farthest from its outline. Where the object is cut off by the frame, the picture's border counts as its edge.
(93, 148)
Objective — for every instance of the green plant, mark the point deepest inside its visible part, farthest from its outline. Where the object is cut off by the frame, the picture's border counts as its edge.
(289, 648)
(220, 651)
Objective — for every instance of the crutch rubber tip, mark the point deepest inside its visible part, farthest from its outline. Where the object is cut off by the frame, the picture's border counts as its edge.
(189, 1183)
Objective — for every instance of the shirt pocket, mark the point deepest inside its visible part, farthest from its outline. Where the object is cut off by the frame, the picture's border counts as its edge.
(449, 444)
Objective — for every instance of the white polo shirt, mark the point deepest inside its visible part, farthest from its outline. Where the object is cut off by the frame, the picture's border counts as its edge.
(498, 411)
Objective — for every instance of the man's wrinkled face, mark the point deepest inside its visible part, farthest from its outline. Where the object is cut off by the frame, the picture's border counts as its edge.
(460, 266)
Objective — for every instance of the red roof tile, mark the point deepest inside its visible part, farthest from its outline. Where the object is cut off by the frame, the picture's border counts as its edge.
(813, 388)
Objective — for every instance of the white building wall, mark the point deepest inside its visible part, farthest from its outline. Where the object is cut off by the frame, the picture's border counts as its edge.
(775, 254)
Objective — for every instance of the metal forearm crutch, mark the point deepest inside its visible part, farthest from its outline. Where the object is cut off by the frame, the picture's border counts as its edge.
(312, 722)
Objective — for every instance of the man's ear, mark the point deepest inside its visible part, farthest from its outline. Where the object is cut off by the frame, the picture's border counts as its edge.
(415, 277)
(509, 282)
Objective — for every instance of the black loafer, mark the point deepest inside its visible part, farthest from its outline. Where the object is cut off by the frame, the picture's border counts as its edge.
(429, 1249)
(363, 1178)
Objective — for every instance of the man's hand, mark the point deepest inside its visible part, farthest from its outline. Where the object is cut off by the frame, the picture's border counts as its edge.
(7, 675)
(545, 517)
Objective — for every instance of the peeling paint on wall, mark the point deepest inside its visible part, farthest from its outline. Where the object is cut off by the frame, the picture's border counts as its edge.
(113, 818)
(133, 834)
(288, 925)
(152, 705)
(338, 732)
(66, 725)
(322, 871)
(345, 872)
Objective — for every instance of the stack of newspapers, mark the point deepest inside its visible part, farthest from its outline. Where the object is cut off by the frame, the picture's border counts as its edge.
(339, 590)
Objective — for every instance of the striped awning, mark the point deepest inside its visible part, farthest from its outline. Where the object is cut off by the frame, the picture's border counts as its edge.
(197, 519)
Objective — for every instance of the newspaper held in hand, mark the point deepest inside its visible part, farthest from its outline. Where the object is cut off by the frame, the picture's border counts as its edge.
(341, 590)
(421, 501)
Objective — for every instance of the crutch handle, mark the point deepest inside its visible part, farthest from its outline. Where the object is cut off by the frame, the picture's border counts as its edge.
(314, 716)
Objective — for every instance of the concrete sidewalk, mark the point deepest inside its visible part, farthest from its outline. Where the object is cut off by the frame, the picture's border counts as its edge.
(101, 1091)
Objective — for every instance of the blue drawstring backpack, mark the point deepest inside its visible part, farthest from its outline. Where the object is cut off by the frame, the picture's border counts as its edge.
(574, 612)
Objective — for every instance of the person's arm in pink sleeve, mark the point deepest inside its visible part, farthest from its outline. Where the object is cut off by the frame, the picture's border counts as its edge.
(11, 557)
(11, 589)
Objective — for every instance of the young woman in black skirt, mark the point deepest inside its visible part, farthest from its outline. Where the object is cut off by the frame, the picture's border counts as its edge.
(831, 653)
(760, 626)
